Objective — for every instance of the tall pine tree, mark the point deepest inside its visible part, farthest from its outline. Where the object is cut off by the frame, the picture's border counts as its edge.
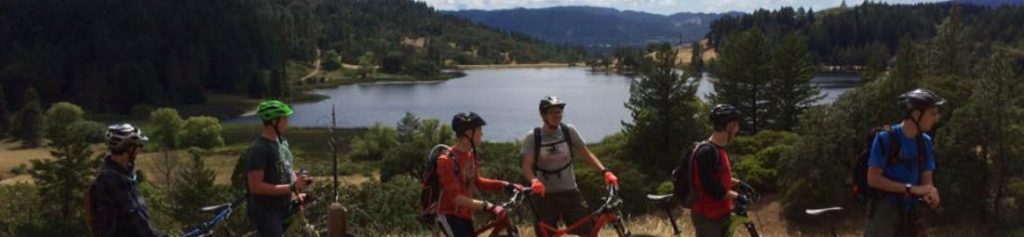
(791, 91)
(742, 76)
(29, 122)
(663, 104)
(949, 59)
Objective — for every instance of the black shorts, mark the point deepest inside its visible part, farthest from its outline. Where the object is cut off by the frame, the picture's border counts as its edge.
(453, 226)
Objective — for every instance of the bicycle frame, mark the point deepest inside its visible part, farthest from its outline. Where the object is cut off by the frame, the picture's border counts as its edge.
(502, 224)
(223, 212)
(739, 216)
(607, 213)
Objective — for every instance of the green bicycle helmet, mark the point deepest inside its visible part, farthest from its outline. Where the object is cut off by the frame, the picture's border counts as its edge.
(270, 110)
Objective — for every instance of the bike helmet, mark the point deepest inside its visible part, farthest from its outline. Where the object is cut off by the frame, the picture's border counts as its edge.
(123, 135)
(551, 101)
(270, 110)
(465, 121)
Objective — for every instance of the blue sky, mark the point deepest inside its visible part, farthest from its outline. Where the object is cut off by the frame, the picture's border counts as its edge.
(652, 6)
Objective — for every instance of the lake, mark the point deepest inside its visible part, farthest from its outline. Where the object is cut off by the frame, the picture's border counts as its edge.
(506, 98)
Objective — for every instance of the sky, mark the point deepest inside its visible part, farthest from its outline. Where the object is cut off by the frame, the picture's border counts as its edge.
(665, 7)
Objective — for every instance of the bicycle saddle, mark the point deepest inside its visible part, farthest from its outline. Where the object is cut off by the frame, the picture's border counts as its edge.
(665, 197)
(816, 212)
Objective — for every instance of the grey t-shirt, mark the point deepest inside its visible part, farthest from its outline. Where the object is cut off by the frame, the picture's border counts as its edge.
(554, 153)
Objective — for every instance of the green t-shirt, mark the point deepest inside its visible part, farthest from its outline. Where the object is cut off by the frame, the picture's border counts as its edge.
(276, 162)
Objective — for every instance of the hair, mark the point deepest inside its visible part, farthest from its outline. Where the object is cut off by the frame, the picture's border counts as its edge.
(722, 125)
(463, 133)
(120, 150)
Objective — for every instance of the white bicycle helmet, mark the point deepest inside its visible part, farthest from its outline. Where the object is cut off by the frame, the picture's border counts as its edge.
(122, 135)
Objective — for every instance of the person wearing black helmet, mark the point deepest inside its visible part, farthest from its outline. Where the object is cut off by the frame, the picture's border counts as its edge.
(114, 202)
(905, 177)
(710, 211)
(459, 184)
(547, 163)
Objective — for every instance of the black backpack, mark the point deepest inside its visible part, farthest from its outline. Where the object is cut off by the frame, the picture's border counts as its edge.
(430, 184)
(682, 182)
(566, 138)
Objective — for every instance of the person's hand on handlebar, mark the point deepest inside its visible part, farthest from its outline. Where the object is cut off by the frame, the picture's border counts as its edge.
(301, 182)
(610, 179)
(731, 195)
(495, 209)
(511, 187)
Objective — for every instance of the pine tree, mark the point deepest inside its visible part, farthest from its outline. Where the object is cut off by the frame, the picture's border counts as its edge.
(791, 91)
(5, 115)
(663, 104)
(29, 122)
(194, 190)
(949, 59)
(985, 133)
(742, 75)
(65, 178)
(697, 57)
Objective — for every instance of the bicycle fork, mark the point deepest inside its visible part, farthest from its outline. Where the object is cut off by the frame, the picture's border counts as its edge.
(672, 219)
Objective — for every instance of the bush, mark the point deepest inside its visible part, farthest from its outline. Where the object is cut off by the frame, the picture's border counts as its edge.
(167, 125)
(21, 205)
(87, 132)
(202, 131)
(374, 144)
(58, 118)
(761, 169)
(383, 208)
(20, 169)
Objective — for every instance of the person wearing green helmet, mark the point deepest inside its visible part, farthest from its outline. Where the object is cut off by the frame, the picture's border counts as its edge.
(271, 181)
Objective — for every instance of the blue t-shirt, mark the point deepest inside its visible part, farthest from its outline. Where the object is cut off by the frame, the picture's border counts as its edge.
(906, 169)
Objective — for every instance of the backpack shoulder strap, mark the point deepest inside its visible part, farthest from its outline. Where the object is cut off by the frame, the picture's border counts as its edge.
(440, 149)
(693, 158)
(536, 147)
(568, 139)
(894, 144)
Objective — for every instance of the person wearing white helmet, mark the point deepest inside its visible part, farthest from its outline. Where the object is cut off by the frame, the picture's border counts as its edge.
(114, 203)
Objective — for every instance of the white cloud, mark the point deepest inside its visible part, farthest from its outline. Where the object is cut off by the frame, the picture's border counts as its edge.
(653, 6)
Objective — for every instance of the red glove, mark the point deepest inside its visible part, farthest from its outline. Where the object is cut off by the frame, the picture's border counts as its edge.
(610, 179)
(538, 187)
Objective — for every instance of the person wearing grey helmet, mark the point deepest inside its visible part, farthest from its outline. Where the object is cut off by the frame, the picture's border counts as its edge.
(114, 202)
(904, 179)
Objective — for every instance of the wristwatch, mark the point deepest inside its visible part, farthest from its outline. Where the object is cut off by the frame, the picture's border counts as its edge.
(907, 186)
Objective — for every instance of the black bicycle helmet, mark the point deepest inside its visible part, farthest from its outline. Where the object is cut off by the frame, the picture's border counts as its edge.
(724, 113)
(465, 121)
(920, 99)
(551, 101)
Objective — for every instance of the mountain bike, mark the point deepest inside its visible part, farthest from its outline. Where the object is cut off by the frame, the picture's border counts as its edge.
(607, 213)
(223, 212)
(741, 205)
(503, 224)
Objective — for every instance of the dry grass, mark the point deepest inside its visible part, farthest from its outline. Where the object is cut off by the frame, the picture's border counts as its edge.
(767, 216)
(13, 155)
